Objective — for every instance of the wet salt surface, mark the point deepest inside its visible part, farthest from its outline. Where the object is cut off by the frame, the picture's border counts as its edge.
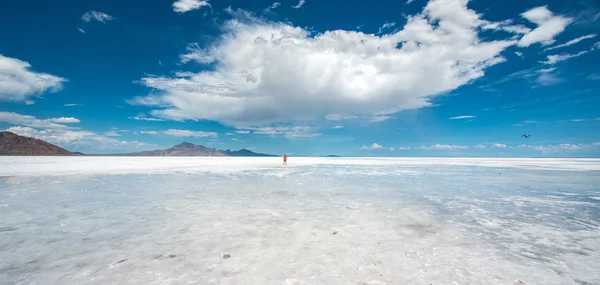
(365, 222)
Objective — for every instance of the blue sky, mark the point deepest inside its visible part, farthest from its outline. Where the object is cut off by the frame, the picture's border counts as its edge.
(391, 78)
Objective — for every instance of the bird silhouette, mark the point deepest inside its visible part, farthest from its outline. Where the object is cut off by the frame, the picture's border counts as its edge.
(526, 136)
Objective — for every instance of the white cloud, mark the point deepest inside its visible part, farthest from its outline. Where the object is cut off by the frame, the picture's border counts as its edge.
(337, 127)
(81, 30)
(98, 16)
(299, 4)
(242, 132)
(461, 117)
(549, 25)
(552, 59)
(546, 70)
(506, 26)
(479, 146)
(31, 121)
(182, 6)
(392, 149)
(288, 132)
(404, 148)
(372, 147)
(572, 42)
(71, 105)
(271, 72)
(499, 145)
(187, 133)
(29, 102)
(443, 147)
(229, 134)
(63, 120)
(195, 53)
(519, 54)
(408, 2)
(111, 134)
(563, 147)
(142, 117)
(386, 26)
(18, 82)
(149, 132)
(275, 5)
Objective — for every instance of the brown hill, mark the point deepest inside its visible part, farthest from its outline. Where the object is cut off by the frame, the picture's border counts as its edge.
(13, 144)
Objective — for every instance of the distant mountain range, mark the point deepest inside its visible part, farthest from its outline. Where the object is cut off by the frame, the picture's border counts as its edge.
(190, 149)
(13, 144)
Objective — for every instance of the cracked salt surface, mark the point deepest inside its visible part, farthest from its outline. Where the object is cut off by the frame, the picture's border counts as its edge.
(122, 220)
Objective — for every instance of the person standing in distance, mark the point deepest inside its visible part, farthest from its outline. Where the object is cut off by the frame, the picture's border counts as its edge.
(285, 158)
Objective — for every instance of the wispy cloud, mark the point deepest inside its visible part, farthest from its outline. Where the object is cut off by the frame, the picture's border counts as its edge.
(288, 132)
(72, 105)
(31, 121)
(519, 54)
(142, 117)
(552, 59)
(274, 5)
(386, 26)
(572, 42)
(188, 133)
(149, 132)
(195, 53)
(18, 83)
(63, 120)
(567, 147)
(182, 6)
(443, 147)
(549, 25)
(461, 117)
(242, 132)
(506, 25)
(112, 134)
(338, 117)
(299, 4)
(499, 145)
(337, 127)
(480, 146)
(404, 148)
(374, 146)
(97, 16)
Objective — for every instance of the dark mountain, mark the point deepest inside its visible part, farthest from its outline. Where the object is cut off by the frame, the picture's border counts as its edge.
(246, 152)
(13, 144)
(182, 149)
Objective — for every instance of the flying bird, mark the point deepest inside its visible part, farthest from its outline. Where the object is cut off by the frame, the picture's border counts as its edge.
(526, 136)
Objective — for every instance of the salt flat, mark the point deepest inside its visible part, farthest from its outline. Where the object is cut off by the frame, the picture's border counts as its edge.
(159, 220)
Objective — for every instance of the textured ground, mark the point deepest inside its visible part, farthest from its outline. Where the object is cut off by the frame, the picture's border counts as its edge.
(99, 220)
